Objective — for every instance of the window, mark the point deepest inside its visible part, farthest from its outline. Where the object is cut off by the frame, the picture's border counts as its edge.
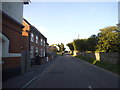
(36, 49)
(44, 53)
(44, 43)
(32, 51)
(41, 41)
(32, 37)
(41, 52)
(36, 39)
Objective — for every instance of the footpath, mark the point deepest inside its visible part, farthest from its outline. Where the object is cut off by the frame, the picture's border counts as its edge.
(28, 77)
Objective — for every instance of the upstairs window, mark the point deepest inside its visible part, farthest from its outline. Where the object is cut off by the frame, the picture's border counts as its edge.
(36, 39)
(41, 41)
(44, 43)
(32, 37)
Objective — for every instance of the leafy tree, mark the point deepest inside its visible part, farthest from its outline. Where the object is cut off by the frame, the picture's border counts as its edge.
(71, 47)
(59, 47)
(109, 39)
(91, 43)
(62, 47)
(80, 44)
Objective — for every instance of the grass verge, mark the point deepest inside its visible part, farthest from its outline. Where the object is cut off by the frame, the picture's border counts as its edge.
(110, 67)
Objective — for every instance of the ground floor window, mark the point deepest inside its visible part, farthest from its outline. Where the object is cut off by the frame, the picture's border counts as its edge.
(32, 51)
(36, 49)
(41, 52)
(44, 52)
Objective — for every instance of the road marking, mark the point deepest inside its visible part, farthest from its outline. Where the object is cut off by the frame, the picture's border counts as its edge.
(40, 75)
(90, 87)
(29, 82)
(51, 67)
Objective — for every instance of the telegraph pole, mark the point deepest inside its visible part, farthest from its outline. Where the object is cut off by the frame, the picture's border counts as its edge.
(78, 36)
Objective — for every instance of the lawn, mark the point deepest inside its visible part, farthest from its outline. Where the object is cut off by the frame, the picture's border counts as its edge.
(111, 67)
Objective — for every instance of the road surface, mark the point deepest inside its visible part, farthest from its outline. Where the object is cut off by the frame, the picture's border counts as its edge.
(70, 72)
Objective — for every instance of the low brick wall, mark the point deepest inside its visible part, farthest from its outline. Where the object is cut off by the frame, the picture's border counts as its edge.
(106, 57)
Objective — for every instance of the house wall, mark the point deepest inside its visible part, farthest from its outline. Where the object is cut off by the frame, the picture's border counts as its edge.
(12, 31)
(11, 46)
(41, 48)
(13, 9)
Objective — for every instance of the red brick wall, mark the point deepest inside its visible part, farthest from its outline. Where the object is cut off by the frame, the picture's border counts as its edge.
(37, 44)
(12, 30)
(10, 62)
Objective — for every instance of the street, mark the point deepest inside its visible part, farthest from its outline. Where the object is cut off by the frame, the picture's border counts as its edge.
(70, 72)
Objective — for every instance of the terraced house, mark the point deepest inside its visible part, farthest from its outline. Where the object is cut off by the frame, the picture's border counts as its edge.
(37, 42)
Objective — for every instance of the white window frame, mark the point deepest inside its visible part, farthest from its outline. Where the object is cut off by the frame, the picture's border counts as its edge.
(44, 53)
(36, 39)
(32, 37)
(41, 41)
(41, 52)
(44, 42)
(32, 51)
(36, 49)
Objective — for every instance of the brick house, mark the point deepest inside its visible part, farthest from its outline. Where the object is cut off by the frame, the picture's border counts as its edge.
(37, 42)
(11, 38)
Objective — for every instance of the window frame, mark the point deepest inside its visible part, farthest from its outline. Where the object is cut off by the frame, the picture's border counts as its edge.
(32, 37)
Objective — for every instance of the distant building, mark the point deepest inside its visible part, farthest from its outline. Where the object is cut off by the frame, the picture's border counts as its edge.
(11, 38)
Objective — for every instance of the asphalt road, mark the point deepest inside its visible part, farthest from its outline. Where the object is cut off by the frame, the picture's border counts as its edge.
(69, 72)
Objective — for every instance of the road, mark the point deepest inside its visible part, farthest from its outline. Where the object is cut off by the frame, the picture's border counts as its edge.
(70, 72)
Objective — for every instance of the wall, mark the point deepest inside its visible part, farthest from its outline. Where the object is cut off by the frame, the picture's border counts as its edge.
(40, 36)
(105, 57)
(11, 41)
(14, 9)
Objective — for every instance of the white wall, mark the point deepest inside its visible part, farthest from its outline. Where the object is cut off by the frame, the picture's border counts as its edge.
(14, 9)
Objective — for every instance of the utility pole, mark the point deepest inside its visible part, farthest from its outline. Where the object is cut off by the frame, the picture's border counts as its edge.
(78, 36)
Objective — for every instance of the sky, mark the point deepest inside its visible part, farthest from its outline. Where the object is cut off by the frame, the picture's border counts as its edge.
(62, 22)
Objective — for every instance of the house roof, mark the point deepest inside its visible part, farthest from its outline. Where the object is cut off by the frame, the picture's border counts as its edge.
(34, 28)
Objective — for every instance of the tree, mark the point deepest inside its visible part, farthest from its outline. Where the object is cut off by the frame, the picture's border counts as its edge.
(109, 39)
(71, 47)
(80, 44)
(62, 47)
(92, 42)
(59, 47)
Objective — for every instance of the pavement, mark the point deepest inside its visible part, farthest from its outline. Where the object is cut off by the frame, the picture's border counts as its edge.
(22, 80)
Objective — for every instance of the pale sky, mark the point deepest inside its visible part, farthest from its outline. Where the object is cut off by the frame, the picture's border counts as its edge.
(63, 21)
